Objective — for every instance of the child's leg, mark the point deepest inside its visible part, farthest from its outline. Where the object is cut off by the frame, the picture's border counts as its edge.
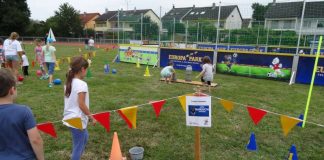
(27, 74)
(79, 138)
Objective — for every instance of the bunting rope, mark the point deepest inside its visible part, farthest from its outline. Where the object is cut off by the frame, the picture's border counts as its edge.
(278, 114)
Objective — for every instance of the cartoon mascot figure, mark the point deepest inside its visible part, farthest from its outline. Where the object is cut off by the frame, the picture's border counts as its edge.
(276, 66)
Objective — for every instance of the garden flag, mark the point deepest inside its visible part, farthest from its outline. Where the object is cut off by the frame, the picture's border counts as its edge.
(182, 100)
(74, 122)
(228, 105)
(256, 114)
(288, 123)
(157, 106)
(103, 119)
(129, 115)
(47, 128)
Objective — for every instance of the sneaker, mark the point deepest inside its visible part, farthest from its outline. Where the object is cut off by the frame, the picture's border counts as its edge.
(42, 78)
(46, 76)
(50, 85)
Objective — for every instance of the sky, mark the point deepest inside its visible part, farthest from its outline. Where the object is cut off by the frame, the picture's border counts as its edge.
(43, 9)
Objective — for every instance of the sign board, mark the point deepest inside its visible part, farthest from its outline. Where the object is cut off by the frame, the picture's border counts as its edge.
(305, 70)
(143, 54)
(198, 111)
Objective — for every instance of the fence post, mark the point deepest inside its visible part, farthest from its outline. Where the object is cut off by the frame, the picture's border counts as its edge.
(187, 33)
(229, 39)
(258, 34)
(174, 21)
(266, 49)
(118, 27)
(142, 27)
(197, 32)
(280, 38)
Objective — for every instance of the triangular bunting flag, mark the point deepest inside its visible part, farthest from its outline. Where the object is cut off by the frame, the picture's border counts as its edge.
(256, 114)
(228, 105)
(157, 106)
(115, 153)
(103, 119)
(287, 123)
(47, 128)
(182, 100)
(74, 122)
(129, 115)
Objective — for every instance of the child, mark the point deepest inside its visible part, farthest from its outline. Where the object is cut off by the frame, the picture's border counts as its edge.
(76, 104)
(49, 59)
(39, 58)
(1, 54)
(20, 138)
(25, 63)
(207, 72)
(168, 72)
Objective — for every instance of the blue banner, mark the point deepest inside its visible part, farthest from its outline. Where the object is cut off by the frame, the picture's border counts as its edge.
(198, 110)
(305, 70)
(183, 58)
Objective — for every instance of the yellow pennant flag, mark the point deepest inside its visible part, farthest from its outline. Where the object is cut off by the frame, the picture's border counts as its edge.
(228, 105)
(57, 65)
(288, 123)
(182, 100)
(129, 115)
(74, 122)
(69, 59)
(85, 56)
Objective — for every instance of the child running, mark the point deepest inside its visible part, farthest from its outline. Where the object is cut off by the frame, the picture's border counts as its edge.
(25, 63)
(49, 59)
(207, 72)
(76, 104)
(39, 58)
(168, 72)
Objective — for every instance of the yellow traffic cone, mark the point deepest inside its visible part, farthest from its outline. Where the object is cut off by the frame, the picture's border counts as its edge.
(57, 66)
(138, 64)
(147, 72)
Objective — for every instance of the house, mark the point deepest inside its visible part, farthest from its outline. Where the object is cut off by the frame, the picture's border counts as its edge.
(88, 20)
(287, 16)
(230, 16)
(108, 22)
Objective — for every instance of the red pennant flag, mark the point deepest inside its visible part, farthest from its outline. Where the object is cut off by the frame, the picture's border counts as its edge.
(157, 106)
(47, 128)
(103, 119)
(256, 114)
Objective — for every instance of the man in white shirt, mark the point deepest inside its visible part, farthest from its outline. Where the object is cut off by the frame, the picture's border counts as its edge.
(91, 43)
(12, 50)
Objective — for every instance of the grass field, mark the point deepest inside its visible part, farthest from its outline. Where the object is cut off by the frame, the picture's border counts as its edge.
(168, 138)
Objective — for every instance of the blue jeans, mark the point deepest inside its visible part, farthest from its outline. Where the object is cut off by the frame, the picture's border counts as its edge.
(79, 138)
(50, 67)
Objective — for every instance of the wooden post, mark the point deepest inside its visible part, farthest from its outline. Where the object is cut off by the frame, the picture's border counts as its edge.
(197, 143)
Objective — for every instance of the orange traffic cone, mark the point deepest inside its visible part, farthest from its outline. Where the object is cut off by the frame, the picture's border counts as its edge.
(115, 153)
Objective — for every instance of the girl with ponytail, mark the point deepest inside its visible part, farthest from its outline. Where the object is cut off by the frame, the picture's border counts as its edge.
(76, 104)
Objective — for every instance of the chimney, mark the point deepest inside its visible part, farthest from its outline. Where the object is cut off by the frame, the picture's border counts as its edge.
(134, 9)
(214, 5)
(173, 6)
(274, 2)
(106, 10)
(193, 7)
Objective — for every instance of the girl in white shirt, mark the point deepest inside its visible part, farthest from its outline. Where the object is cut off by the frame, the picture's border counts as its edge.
(76, 104)
(206, 74)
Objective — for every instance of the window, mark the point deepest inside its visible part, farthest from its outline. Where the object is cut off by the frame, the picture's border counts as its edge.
(192, 13)
(203, 12)
(274, 24)
(101, 25)
(177, 13)
(307, 24)
(289, 24)
(171, 14)
(197, 13)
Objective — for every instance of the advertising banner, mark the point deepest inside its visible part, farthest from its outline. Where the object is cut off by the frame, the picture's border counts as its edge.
(305, 70)
(274, 66)
(198, 112)
(184, 57)
(143, 54)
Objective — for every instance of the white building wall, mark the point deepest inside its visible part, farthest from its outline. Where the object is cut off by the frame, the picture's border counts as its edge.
(234, 20)
(153, 17)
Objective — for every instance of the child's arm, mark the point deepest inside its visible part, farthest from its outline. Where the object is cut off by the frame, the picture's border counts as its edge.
(83, 106)
(36, 142)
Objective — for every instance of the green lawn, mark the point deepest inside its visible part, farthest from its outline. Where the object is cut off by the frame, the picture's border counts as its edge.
(168, 137)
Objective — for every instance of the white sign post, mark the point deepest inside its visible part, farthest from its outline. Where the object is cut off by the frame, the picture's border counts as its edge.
(198, 111)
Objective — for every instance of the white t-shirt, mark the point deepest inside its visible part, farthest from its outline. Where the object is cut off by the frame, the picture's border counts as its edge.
(91, 42)
(71, 104)
(25, 60)
(208, 69)
(11, 47)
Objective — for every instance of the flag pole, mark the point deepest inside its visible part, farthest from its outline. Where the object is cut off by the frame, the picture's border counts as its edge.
(313, 78)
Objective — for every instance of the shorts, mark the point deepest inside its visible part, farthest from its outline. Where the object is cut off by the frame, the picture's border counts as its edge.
(50, 67)
(166, 74)
(12, 58)
(208, 82)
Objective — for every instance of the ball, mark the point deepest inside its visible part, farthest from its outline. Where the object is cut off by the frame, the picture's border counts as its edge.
(38, 73)
(113, 71)
(57, 81)
(20, 78)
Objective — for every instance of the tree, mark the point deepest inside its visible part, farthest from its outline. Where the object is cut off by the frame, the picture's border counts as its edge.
(14, 16)
(259, 11)
(66, 22)
(150, 29)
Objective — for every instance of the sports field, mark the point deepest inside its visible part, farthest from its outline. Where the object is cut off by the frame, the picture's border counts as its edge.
(168, 138)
